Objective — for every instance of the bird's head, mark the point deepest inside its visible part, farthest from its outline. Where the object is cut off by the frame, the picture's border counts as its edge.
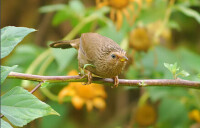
(117, 58)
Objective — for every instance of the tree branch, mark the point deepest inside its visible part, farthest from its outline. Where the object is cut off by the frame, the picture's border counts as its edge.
(108, 81)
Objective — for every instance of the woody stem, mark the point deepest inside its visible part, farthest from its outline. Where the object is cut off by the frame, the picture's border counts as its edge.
(108, 81)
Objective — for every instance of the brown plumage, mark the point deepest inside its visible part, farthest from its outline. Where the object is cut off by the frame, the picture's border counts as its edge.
(105, 57)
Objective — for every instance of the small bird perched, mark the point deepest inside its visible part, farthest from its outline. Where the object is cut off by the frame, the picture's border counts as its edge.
(97, 55)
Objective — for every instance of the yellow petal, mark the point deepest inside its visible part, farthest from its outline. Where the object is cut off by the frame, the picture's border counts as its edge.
(99, 90)
(77, 102)
(99, 103)
(119, 20)
(66, 91)
(89, 105)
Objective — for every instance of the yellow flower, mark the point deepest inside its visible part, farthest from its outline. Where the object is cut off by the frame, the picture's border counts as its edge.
(145, 115)
(120, 7)
(92, 95)
(195, 115)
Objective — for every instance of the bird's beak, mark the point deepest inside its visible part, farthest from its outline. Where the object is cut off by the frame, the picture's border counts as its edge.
(123, 58)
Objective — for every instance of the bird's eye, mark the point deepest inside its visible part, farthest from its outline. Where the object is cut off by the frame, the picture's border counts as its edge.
(113, 56)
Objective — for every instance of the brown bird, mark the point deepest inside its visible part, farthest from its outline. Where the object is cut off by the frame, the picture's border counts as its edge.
(97, 55)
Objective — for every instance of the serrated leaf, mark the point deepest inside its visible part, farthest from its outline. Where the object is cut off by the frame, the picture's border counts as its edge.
(5, 70)
(63, 57)
(5, 124)
(11, 36)
(52, 8)
(21, 107)
(172, 67)
(189, 12)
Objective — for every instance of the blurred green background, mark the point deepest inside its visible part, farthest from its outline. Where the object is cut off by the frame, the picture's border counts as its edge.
(153, 32)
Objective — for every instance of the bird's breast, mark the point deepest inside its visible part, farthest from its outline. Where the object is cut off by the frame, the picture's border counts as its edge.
(108, 71)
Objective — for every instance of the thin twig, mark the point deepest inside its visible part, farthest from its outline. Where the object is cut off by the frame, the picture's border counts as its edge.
(108, 81)
(36, 87)
(2, 116)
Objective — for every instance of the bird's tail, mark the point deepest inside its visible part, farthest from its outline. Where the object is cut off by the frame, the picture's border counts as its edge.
(66, 44)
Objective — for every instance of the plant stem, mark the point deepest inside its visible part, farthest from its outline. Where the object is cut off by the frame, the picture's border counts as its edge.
(45, 65)
(49, 94)
(34, 65)
(143, 99)
(41, 71)
(74, 31)
(166, 19)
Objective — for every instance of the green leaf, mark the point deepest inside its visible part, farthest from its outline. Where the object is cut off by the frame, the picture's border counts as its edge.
(52, 8)
(20, 107)
(11, 36)
(5, 70)
(189, 12)
(5, 124)
(171, 67)
(183, 73)
(77, 6)
(173, 112)
(63, 56)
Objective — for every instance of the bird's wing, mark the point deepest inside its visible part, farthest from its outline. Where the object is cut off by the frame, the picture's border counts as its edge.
(90, 45)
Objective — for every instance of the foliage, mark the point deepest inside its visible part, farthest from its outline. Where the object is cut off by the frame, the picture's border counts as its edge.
(5, 70)
(18, 105)
(10, 37)
(169, 28)
(173, 69)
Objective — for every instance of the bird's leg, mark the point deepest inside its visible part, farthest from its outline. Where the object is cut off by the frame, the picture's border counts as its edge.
(89, 78)
(116, 81)
(89, 74)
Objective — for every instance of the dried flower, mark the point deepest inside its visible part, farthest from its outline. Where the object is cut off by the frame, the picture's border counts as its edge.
(140, 40)
(195, 115)
(145, 115)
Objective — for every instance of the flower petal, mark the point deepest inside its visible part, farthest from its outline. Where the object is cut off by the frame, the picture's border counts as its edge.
(89, 105)
(77, 102)
(99, 103)
(66, 91)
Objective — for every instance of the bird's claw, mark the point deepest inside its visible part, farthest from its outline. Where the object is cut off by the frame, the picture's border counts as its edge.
(116, 82)
(89, 76)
